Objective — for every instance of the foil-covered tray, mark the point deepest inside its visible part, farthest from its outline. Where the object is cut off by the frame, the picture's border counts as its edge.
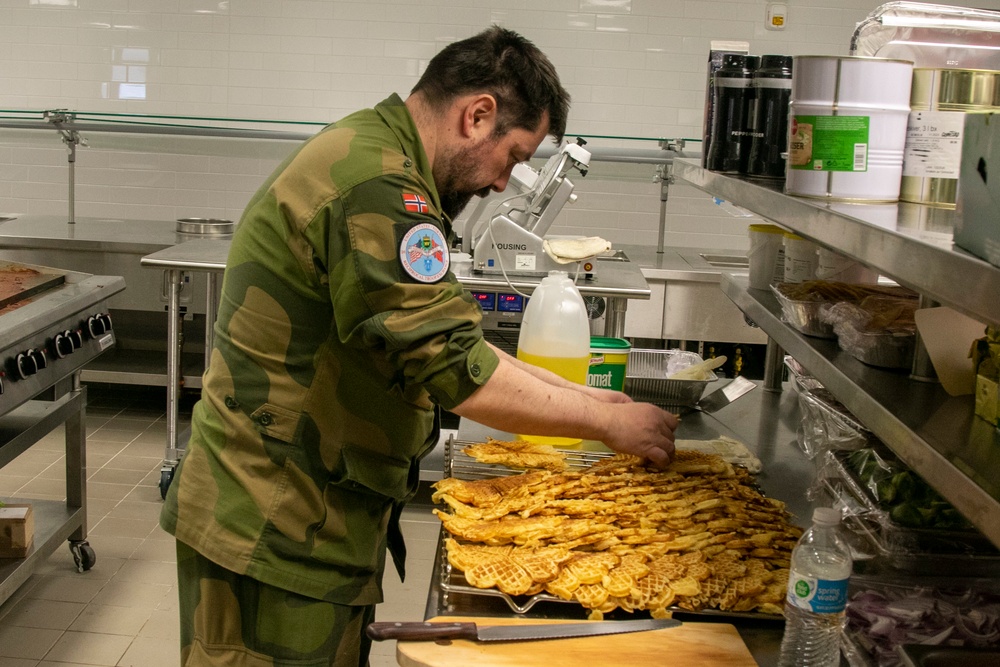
(804, 316)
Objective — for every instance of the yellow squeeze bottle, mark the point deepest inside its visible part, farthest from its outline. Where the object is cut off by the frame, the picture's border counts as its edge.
(555, 335)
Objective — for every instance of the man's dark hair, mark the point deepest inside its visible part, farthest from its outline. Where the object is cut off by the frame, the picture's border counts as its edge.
(509, 67)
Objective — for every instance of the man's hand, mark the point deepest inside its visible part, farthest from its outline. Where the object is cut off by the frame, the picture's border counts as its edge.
(644, 430)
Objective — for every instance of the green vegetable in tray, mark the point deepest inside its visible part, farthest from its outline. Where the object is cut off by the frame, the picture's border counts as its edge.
(907, 515)
(908, 499)
(885, 491)
(907, 488)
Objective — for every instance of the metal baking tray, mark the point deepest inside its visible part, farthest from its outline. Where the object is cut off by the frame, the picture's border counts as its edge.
(452, 581)
(646, 380)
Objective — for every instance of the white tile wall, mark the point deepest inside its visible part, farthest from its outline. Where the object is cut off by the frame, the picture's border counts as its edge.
(635, 68)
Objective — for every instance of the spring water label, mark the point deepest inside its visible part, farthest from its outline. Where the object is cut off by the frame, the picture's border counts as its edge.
(820, 596)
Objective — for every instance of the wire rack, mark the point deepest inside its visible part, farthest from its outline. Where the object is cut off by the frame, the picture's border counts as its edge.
(462, 466)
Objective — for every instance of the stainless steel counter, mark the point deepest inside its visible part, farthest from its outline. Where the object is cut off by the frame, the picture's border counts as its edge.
(766, 423)
(689, 264)
(92, 234)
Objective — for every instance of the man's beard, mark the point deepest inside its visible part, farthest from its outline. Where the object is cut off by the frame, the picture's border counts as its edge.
(458, 178)
(453, 203)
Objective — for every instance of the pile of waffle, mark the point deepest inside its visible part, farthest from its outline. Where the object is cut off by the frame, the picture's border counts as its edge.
(619, 535)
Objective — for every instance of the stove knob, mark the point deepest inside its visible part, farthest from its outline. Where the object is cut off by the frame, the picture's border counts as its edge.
(63, 345)
(26, 366)
(75, 337)
(39, 357)
(95, 326)
(105, 319)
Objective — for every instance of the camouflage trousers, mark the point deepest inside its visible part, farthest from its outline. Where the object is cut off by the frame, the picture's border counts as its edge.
(232, 620)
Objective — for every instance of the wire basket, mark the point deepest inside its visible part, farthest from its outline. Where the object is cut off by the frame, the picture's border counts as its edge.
(646, 380)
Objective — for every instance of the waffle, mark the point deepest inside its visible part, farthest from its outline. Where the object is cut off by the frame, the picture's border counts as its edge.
(502, 573)
(591, 596)
(517, 454)
(620, 535)
(621, 579)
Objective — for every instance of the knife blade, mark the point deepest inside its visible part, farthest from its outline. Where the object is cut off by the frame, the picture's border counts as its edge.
(417, 631)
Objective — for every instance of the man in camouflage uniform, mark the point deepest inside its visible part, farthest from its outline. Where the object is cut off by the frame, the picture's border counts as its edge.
(340, 329)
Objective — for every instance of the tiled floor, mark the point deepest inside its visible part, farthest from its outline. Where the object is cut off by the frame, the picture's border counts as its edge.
(124, 610)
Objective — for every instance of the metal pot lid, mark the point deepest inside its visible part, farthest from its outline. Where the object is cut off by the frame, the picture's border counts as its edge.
(205, 226)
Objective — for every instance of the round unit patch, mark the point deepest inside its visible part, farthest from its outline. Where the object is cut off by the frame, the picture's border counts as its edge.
(424, 253)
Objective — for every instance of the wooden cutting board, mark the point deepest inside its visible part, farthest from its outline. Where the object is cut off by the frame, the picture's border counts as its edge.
(690, 644)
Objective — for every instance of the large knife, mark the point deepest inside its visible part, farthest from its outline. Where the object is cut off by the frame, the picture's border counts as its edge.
(417, 631)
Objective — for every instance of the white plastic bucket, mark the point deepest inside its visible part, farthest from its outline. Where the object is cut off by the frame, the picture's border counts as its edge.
(766, 256)
(800, 259)
(555, 335)
(847, 127)
(832, 265)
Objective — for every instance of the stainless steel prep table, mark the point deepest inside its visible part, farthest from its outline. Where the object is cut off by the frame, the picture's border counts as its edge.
(109, 246)
(209, 257)
(765, 422)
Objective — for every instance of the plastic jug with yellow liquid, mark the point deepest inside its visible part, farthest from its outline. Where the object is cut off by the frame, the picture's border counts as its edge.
(555, 335)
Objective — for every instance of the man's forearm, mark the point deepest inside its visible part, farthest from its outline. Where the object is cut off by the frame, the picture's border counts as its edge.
(515, 401)
(542, 374)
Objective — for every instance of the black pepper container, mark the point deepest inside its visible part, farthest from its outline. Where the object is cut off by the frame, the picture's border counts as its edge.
(772, 84)
(730, 143)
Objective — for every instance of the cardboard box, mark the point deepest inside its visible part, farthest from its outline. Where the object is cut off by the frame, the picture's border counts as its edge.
(17, 530)
(978, 227)
(985, 354)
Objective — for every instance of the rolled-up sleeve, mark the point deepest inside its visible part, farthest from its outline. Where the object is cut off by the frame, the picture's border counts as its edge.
(426, 335)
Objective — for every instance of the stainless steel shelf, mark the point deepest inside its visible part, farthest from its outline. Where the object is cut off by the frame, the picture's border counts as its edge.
(912, 243)
(142, 367)
(935, 434)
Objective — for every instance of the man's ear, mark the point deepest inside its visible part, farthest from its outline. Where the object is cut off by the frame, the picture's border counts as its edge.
(479, 116)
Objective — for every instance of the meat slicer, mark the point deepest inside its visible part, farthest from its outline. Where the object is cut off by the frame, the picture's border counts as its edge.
(505, 233)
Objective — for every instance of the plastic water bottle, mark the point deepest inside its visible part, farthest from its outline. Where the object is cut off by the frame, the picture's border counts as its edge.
(817, 595)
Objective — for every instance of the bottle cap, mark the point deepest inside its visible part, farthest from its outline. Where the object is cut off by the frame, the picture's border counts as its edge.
(826, 516)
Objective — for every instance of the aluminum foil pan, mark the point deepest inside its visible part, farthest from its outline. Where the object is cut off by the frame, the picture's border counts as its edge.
(646, 380)
(804, 316)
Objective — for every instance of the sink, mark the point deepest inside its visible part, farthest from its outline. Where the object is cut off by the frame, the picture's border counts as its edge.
(726, 261)
(614, 256)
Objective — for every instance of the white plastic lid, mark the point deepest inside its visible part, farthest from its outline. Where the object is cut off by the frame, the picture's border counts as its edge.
(826, 516)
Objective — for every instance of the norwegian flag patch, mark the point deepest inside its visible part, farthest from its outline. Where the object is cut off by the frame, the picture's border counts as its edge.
(414, 203)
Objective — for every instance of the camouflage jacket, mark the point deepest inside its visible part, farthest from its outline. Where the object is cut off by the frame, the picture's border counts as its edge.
(339, 329)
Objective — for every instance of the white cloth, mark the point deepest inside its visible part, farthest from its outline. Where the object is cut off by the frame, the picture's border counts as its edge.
(567, 251)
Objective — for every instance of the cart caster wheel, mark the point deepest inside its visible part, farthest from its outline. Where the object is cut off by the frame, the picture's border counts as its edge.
(83, 555)
(166, 476)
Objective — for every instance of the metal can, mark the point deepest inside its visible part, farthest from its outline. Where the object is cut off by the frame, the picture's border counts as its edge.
(847, 127)
(939, 100)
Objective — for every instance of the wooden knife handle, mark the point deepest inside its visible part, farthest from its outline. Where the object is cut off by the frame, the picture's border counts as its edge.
(417, 631)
